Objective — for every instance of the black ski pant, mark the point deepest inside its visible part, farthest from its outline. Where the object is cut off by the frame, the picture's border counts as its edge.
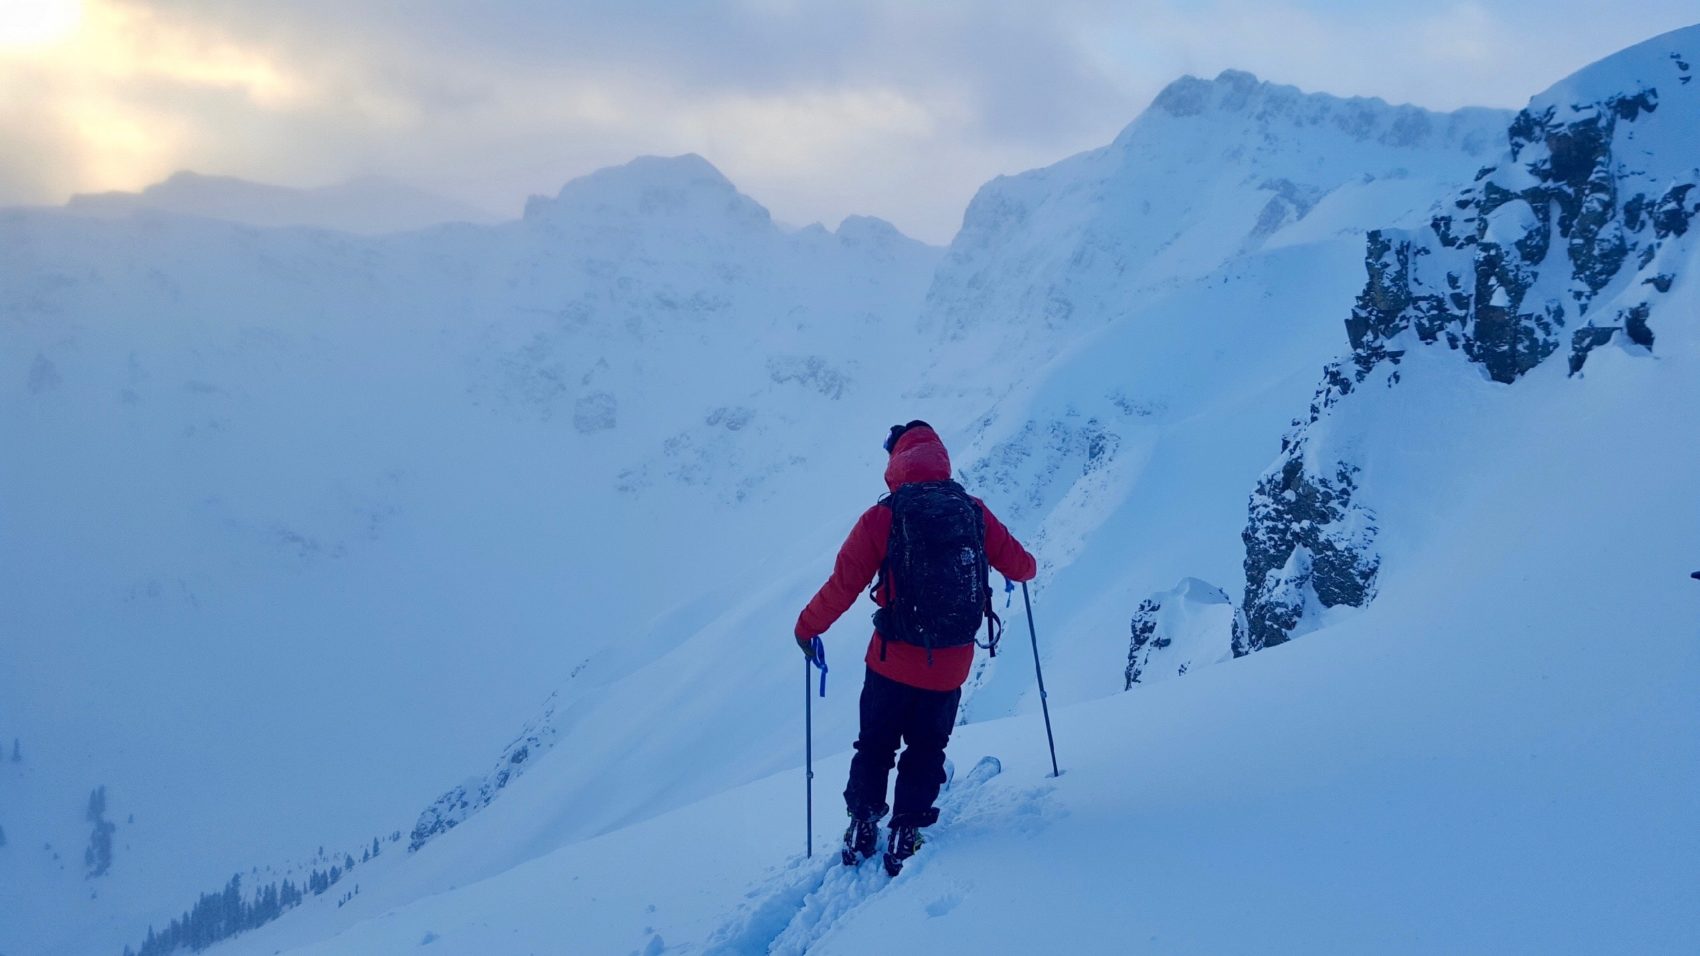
(920, 719)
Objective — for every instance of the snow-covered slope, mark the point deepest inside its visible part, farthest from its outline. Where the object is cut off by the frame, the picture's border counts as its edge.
(575, 474)
(485, 446)
(1503, 771)
(370, 205)
(1461, 766)
(298, 526)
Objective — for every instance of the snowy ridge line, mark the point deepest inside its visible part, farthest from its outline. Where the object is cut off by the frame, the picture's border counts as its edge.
(538, 737)
(1214, 169)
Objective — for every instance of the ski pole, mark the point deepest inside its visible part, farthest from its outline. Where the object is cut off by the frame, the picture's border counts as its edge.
(1044, 700)
(818, 658)
(809, 760)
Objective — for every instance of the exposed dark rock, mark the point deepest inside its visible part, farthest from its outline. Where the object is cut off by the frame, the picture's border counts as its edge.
(98, 856)
(1673, 213)
(1569, 179)
(1565, 214)
(1585, 340)
(1144, 633)
(453, 807)
(1635, 324)
(1192, 623)
(1306, 544)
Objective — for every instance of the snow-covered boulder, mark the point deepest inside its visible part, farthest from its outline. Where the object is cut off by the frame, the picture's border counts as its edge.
(1191, 623)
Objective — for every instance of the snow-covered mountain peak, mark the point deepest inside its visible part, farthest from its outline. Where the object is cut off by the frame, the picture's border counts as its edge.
(879, 239)
(1241, 98)
(868, 229)
(1230, 91)
(673, 188)
(1666, 63)
(1214, 170)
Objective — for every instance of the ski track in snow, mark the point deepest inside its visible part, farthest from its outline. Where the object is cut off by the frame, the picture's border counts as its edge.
(795, 909)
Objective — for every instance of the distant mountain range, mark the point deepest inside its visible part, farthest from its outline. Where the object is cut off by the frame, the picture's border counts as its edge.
(369, 205)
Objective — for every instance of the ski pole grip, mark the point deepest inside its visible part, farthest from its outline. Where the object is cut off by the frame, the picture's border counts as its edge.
(820, 662)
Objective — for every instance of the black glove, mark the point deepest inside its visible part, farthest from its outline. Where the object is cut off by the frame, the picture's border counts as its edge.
(808, 646)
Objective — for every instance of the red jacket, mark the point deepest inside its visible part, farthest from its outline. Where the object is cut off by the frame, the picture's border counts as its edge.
(918, 456)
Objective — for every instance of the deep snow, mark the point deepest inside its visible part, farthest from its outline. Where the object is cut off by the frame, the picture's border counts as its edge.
(430, 469)
(1476, 763)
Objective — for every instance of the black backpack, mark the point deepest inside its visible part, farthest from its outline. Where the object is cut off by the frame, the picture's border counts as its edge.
(934, 572)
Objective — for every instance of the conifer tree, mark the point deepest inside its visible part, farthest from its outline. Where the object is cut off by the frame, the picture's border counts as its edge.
(98, 856)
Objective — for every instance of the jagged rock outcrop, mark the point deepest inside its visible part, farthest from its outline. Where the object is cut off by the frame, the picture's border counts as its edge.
(1309, 545)
(1485, 278)
(1174, 630)
(1568, 241)
(453, 807)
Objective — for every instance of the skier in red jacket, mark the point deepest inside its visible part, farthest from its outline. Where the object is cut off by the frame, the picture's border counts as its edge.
(910, 694)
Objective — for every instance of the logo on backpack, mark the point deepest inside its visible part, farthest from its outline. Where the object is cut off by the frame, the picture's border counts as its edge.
(933, 578)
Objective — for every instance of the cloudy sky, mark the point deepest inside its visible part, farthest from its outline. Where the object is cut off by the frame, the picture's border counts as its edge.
(898, 108)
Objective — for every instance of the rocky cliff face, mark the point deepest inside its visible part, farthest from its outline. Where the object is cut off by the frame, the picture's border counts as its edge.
(1565, 246)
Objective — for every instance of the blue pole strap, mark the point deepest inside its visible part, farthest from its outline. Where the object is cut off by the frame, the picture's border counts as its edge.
(1008, 592)
(820, 662)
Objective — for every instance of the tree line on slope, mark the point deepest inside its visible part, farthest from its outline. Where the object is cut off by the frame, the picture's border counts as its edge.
(221, 915)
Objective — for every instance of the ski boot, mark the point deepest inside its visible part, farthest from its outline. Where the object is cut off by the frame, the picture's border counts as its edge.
(900, 846)
(859, 841)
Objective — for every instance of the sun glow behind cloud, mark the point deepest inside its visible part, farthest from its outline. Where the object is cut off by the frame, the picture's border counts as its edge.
(124, 44)
(105, 83)
(26, 24)
(816, 108)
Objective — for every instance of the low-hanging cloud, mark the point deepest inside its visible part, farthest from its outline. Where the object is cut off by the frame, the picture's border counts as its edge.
(817, 109)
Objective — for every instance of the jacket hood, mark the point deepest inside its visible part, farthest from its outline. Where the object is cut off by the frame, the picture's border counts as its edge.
(919, 455)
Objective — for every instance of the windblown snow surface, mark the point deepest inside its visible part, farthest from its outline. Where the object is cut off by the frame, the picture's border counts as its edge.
(573, 477)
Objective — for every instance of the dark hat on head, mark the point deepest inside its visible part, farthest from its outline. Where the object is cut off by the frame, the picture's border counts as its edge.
(897, 432)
